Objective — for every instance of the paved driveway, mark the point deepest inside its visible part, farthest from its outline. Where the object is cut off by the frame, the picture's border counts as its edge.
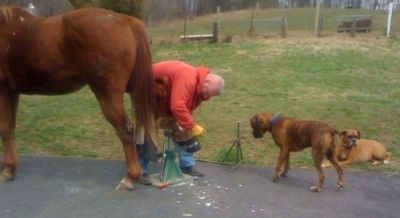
(75, 187)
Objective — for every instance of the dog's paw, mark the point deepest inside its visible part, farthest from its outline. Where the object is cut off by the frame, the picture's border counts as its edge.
(375, 163)
(386, 162)
(275, 179)
(326, 165)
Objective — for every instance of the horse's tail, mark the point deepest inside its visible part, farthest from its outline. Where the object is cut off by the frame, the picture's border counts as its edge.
(142, 89)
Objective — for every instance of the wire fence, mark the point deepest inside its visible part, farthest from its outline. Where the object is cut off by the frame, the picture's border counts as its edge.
(278, 23)
(168, 20)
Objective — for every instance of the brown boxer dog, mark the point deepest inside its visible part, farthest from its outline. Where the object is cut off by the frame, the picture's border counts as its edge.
(295, 135)
(353, 149)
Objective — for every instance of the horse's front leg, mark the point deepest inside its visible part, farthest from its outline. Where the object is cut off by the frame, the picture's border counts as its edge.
(8, 111)
(10, 162)
(115, 113)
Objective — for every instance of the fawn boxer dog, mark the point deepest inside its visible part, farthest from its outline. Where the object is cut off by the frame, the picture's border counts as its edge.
(295, 135)
(353, 149)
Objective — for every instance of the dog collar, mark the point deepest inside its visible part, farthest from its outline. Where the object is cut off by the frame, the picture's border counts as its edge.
(273, 122)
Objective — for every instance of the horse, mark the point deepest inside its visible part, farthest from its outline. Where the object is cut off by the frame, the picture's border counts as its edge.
(108, 51)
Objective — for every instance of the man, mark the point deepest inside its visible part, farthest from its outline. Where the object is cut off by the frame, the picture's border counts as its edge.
(188, 87)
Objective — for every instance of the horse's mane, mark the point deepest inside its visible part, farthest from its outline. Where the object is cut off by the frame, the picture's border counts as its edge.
(7, 12)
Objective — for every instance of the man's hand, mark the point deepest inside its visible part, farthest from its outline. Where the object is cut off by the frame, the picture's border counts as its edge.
(197, 131)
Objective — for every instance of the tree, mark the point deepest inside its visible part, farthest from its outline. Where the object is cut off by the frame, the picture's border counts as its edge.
(129, 7)
(81, 3)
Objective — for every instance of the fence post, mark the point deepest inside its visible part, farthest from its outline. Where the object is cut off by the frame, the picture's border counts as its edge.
(215, 32)
(284, 27)
(353, 27)
(219, 16)
(389, 19)
(318, 7)
(251, 31)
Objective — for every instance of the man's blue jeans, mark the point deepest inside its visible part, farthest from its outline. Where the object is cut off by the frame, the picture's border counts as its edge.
(186, 160)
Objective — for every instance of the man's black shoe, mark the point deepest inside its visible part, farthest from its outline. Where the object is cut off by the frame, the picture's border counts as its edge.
(146, 179)
(192, 171)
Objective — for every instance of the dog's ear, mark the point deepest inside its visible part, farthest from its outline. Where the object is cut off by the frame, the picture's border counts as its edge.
(254, 122)
(342, 134)
(359, 134)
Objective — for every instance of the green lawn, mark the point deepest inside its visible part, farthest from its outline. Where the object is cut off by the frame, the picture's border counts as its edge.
(347, 82)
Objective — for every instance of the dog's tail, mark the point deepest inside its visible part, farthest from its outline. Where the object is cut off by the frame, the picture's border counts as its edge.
(335, 132)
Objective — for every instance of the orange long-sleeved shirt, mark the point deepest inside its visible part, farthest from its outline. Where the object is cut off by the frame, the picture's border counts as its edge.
(184, 91)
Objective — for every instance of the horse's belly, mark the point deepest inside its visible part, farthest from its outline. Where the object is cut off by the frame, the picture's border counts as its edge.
(51, 86)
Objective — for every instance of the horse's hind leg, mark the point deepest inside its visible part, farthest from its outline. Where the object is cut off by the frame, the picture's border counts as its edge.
(113, 109)
(8, 110)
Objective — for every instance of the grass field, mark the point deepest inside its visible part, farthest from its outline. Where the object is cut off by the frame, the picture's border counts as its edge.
(347, 82)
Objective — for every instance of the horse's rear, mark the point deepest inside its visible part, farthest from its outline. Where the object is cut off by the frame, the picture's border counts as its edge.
(108, 51)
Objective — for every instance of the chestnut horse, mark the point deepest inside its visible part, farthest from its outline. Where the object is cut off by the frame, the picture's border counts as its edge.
(107, 51)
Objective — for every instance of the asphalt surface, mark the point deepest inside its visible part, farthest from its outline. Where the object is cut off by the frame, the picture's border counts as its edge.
(75, 187)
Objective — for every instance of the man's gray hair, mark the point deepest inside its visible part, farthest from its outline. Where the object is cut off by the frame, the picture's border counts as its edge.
(217, 83)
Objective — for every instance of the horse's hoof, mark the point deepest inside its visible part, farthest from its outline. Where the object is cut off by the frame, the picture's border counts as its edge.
(315, 189)
(125, 186)
(283, 175)
(6, 177)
